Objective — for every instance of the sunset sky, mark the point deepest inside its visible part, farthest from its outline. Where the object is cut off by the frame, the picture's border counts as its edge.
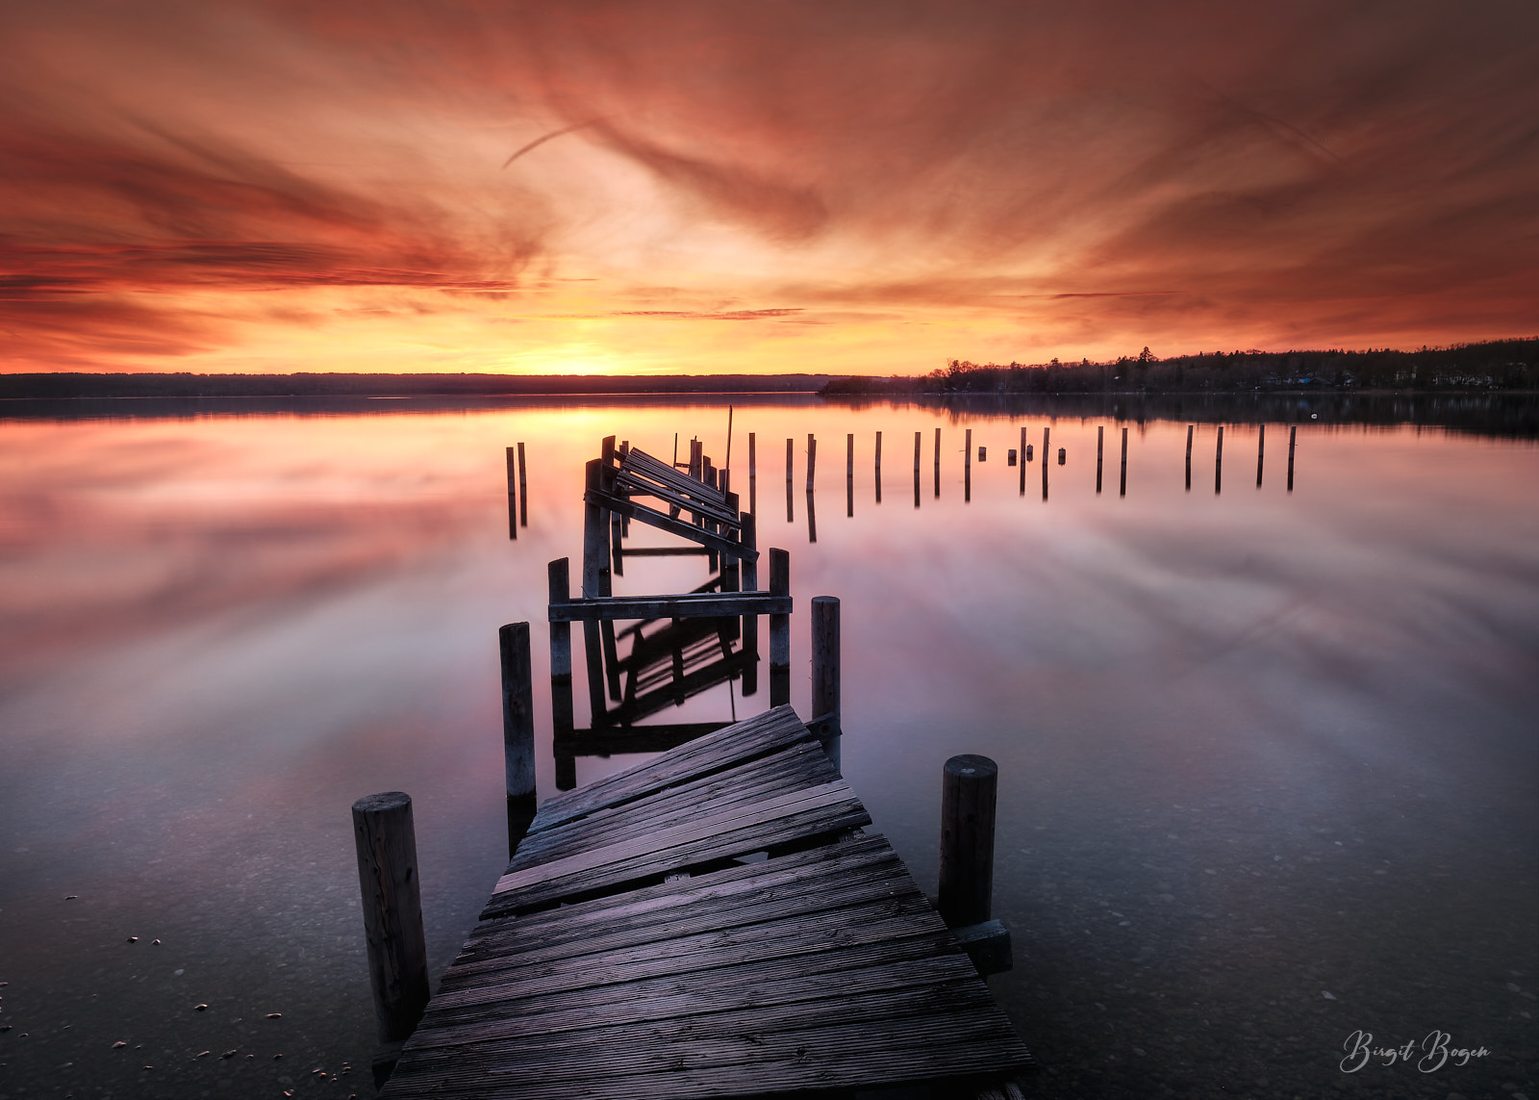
(717, 186)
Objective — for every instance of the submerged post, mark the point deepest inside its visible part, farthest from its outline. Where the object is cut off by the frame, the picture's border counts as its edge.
(968, 792)
(392, 911)
(825, 674)
(517, 729)
(780, 629)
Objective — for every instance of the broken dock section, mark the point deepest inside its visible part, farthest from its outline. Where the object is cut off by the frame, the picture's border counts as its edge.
(713, 923)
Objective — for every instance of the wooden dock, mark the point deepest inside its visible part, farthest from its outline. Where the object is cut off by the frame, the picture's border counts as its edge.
(714, 923)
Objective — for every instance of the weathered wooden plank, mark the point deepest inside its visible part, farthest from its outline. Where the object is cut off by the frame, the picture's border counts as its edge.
(634, 484)
(712, 540)
(798, 816)
(656, 907)
(711, 605)
(872, 1046)
(795, 767)
(639, 461)
(731, 745)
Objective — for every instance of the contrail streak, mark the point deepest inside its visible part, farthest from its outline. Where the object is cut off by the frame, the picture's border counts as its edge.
(537, 142)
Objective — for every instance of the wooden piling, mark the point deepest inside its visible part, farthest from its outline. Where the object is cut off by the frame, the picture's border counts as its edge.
(1063, 455)
(812, 459)
(595, 582)
(512, 493)
(790, 460)
(917, 439)
(780, 629)
(559, 576)
(812, 517)
(749, 537)
(968, 792)
(1025, 458)
(1046, 435)
(877, 472)
(967, 465)
(1293, 432)
(517, 729)
(753, 476)
(1218, 462)
(826, 675)
(523, 489)
(937, 462)
(1122, 483)
(849, 474)
(1100, 444)
(392, 911)
(1260, 454)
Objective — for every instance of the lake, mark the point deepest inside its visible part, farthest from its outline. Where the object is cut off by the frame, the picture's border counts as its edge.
(1268, 755)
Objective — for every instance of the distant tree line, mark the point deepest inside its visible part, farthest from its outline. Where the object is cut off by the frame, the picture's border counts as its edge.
(182, 384)
(1511, 365)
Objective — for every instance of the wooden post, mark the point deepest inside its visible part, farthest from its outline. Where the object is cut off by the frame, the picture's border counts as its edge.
(1122, 489)
(523, 489)
(1025, 457)
(967, 465)
(513, 496)
(726, 462)
(753, 476)
(937, 462)
(878, 471)
(780, 629)
(595, 582)
(790, 466)
(1046, 434)
(917, 437)
(812, 517)
(749, 536)
(559, 575)
(1189, 430)
(1260, 454)
(392, 911)
(1100, 443)
(1293, 432)
(849, 474)
(825, 673)
(517, 729)
(1218, 462)
(1063, 455)
(812, 459)
(968, 792)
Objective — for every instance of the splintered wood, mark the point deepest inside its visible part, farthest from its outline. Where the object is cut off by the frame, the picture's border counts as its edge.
(711, 923)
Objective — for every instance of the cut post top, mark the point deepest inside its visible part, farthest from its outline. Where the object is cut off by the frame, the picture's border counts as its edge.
(384, 802)
(971, 766)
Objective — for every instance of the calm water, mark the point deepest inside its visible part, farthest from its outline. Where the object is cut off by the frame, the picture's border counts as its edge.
(1268, 758)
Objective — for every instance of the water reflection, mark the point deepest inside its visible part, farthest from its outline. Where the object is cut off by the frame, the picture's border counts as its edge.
(1254, 747)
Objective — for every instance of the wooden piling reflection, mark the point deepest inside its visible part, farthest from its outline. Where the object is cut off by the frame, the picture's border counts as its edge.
(917, 437)
(937, 462)
(877, 468)
(1260, 454)
(1189, 429)
(1293, 431)
(849, 474)
(1218, 463)
(812, 517)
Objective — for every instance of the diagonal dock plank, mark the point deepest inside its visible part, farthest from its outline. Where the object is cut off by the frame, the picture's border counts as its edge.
(709, 924)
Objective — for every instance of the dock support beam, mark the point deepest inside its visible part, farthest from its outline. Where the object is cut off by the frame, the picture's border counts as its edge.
(968, 793)
(392, 911)
(517, 729)
(826, 674)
